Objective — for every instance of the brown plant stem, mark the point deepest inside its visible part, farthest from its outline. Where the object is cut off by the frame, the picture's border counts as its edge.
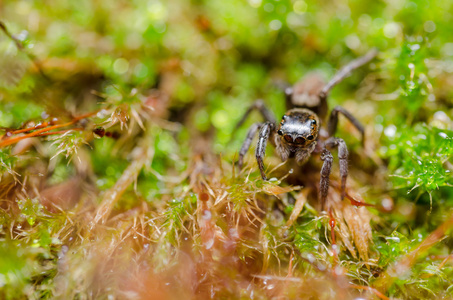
(143, 156)
(13, 140)
(60, 131)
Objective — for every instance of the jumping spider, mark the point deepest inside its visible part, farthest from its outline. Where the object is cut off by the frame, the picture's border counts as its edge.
(299, 133)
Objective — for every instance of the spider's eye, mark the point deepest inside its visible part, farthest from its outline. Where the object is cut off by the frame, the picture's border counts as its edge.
(310, 137)
(288, 138)
(300, 140)
(313, 122)
(279, 132)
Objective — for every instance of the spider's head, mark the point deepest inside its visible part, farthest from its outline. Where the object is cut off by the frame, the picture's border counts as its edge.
(299, 127)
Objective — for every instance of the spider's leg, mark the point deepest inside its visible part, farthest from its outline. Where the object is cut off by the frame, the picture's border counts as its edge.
(327, 157)
(248, 141)
(346, 71)
(342, 74)
(333, 121)
(258, 105)
(265, 132)
(343, 159)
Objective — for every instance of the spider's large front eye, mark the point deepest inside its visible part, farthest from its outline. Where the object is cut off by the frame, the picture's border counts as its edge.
(288, 138)
(280, 132)
(300, 140)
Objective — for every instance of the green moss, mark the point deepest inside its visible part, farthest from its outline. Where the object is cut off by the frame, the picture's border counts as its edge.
(418, 157)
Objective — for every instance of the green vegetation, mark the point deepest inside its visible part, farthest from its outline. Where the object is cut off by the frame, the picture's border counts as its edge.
(118, 150)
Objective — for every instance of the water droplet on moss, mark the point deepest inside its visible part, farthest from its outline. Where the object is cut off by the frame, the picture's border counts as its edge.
(390, 131)
(443, 135)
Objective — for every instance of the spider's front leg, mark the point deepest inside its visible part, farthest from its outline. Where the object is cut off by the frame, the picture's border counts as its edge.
(327, 157)
(343, 155)
(340, 144)
(248, 141)
(267, 115)
(265, 132)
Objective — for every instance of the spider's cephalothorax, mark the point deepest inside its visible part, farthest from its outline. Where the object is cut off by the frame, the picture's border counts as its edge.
(298, 134)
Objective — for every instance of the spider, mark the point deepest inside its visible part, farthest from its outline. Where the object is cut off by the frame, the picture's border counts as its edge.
(299, 133)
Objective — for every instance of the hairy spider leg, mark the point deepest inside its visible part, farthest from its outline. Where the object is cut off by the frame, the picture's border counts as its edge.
(332, 127)
(261, 107)
(333, 122)
(265, 132)
(340, 144)
(247, 142)
(346, 71)
(343, 73)
(327, 157)
(343, 155)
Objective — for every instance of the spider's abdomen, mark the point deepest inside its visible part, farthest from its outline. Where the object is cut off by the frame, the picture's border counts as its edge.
(306, 91)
